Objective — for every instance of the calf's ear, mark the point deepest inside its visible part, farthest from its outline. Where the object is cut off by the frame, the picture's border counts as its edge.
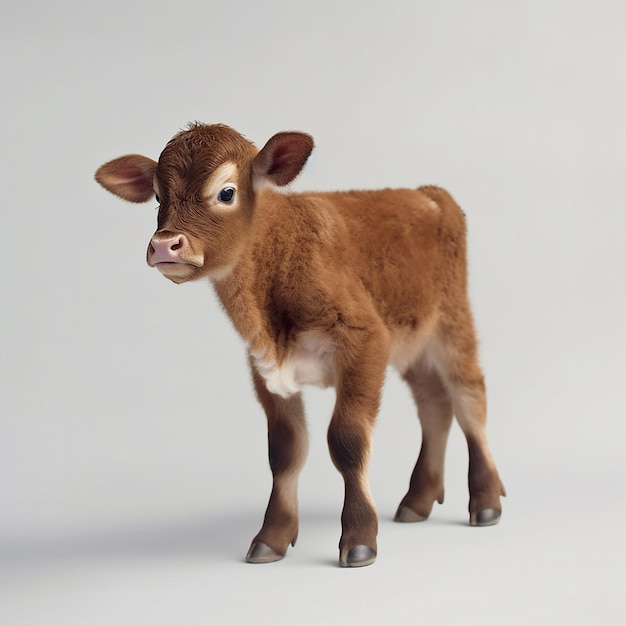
(130, 177)
(282, 158)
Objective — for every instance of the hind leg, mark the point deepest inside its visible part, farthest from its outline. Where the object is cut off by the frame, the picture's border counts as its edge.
(435, 413)
(485, 487)
(456, 355)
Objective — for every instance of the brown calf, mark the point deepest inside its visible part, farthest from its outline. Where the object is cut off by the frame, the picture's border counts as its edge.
(326, 289)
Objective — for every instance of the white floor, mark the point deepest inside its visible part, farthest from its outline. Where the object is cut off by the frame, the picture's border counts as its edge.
(557, 557)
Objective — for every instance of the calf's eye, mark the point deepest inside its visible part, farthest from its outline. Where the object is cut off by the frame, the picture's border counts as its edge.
(226, 195)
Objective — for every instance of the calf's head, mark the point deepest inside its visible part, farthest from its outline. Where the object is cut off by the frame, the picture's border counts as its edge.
(206, 182)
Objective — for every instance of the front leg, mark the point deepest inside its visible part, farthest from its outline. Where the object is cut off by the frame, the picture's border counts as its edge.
(287, 442)
(359, 385)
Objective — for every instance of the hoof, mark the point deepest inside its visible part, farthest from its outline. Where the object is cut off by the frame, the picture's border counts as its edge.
(359, 556)
(406, 515)
(486, 517)
(261, 553)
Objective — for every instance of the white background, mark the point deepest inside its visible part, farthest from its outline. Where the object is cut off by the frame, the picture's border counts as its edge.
(133, 464)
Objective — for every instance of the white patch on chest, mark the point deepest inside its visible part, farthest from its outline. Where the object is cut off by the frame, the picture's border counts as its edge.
(309, 361)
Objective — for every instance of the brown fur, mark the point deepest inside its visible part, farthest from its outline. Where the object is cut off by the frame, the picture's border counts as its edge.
(327, 288)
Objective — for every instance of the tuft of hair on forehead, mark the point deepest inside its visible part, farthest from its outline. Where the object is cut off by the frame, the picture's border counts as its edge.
(192, 154)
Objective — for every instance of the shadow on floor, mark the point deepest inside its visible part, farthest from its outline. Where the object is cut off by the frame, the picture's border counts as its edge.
(219, 537)
(225, 537)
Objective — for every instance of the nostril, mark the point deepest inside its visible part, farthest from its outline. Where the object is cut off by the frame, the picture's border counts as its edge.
(167, 248)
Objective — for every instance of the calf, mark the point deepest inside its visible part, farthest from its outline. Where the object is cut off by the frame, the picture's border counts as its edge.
(325, 289)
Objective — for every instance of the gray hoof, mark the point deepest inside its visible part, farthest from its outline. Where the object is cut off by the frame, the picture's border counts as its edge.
(486, 517)
(359, 556)
(406, 515)
(261, 553)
